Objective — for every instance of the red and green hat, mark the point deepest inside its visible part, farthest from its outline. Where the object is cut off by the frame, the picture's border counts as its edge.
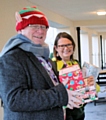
(31, 15)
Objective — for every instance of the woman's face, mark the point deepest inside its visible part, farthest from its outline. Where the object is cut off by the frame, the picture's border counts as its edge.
(64, 48)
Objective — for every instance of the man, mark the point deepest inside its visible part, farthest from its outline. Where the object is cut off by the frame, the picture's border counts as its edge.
(28, 86)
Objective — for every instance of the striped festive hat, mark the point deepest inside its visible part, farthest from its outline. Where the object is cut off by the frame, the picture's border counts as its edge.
(31, 15)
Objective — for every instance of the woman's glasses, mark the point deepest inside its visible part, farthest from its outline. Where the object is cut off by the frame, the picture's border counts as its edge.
(65, 45)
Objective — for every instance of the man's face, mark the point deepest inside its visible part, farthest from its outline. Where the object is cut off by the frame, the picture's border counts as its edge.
(36, 33)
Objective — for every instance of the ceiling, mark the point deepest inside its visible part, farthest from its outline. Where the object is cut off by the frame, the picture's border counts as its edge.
(78, 10)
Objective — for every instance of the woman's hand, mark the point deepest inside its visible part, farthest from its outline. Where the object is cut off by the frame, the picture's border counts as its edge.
(90, 80)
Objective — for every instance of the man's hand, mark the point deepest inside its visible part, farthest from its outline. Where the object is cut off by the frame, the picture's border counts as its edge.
(74, 99)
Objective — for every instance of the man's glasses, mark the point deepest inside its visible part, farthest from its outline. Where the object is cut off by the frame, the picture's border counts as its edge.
(37, 27)
(65, 45)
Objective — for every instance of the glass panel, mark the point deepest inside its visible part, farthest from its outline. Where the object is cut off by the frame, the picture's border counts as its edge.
(95, 55)
(84, 48)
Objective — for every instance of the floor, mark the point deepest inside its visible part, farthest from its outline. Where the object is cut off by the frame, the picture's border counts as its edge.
(98, 111)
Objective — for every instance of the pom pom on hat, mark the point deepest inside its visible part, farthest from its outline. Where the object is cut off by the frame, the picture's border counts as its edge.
(30, 15)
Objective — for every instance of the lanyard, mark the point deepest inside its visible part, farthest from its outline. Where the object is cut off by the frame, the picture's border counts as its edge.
(48, 67)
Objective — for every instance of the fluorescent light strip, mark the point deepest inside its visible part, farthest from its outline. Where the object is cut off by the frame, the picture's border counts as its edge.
(101, 13)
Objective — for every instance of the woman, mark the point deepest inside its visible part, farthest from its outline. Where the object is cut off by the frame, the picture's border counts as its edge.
(64, 47)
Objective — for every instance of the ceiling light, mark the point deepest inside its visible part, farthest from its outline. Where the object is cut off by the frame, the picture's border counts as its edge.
(101, 13)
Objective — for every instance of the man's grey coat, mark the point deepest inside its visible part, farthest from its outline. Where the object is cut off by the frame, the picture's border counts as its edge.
(27, 90)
